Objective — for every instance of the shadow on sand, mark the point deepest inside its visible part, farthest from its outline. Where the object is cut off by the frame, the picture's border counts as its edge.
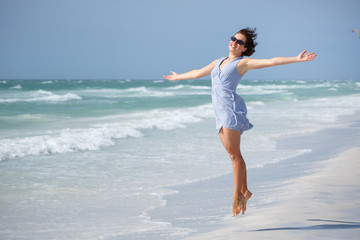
(330, 224)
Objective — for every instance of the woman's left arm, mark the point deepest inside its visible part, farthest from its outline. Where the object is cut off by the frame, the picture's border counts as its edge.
(250, 63)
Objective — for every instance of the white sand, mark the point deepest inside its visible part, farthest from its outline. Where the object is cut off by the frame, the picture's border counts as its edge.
(322, 205)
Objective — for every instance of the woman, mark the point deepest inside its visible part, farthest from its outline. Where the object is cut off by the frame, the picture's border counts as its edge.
(230, 109)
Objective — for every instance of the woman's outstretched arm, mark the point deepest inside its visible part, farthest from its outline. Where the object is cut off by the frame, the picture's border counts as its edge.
(197, 73)
(249, 63)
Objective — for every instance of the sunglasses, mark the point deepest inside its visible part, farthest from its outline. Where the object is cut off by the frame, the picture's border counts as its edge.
(240, 42)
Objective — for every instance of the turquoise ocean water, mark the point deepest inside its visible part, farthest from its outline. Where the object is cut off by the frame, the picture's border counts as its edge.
(89, 159)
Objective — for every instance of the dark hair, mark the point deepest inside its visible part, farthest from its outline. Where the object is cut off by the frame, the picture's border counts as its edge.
(250, 44)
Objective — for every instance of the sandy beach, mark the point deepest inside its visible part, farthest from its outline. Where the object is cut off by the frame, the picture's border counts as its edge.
(322, 205)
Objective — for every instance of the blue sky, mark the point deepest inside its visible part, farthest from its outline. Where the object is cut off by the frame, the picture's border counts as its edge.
(143, 39)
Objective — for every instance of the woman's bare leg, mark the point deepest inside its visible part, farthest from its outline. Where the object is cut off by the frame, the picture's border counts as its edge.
(231, 141)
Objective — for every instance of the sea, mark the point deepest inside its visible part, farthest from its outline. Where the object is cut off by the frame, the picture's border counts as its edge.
(101, 159)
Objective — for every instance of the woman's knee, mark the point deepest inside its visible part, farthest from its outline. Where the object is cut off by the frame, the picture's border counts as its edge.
(235, 155)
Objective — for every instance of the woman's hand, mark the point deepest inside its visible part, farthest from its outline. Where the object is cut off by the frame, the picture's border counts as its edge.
(171, 77)
(304, 57)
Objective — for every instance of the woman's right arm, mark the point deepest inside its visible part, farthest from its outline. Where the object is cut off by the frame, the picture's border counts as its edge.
(197, 73)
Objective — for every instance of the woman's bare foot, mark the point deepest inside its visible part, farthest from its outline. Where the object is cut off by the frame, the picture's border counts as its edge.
(239, 203)
(247, 197)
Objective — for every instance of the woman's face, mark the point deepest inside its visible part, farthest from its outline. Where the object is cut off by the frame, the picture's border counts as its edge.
(235, 47)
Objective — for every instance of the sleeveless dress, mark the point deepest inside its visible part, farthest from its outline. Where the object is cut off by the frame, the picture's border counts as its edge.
(230, 109)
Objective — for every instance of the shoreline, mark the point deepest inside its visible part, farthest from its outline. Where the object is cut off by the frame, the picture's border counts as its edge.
(321, 205)
(188, 208)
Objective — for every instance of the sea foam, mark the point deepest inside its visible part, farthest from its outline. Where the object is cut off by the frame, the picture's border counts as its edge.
(101, 135)
(64, 141)
(41, 96)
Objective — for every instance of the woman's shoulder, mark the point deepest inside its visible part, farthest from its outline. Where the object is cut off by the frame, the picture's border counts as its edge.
(217, 61)
(241, 66)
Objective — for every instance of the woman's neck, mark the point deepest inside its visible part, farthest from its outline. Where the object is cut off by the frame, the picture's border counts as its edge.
(232, 56)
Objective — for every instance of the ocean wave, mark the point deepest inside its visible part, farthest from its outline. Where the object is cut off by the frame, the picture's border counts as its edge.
(47, 82)
(277, 88)
(181, 86)
(16, 87)
(257, 103)
(143, 91)
(129, 92)
(102, 135)
(64, 141)
(177, 87)
(139, 92)
(258, 90)
(304, 116)
(27, 117)
(200, 87)
(41, 96)
(330, 109)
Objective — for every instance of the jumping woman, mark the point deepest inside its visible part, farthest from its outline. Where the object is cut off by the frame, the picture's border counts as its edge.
(230, 109)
